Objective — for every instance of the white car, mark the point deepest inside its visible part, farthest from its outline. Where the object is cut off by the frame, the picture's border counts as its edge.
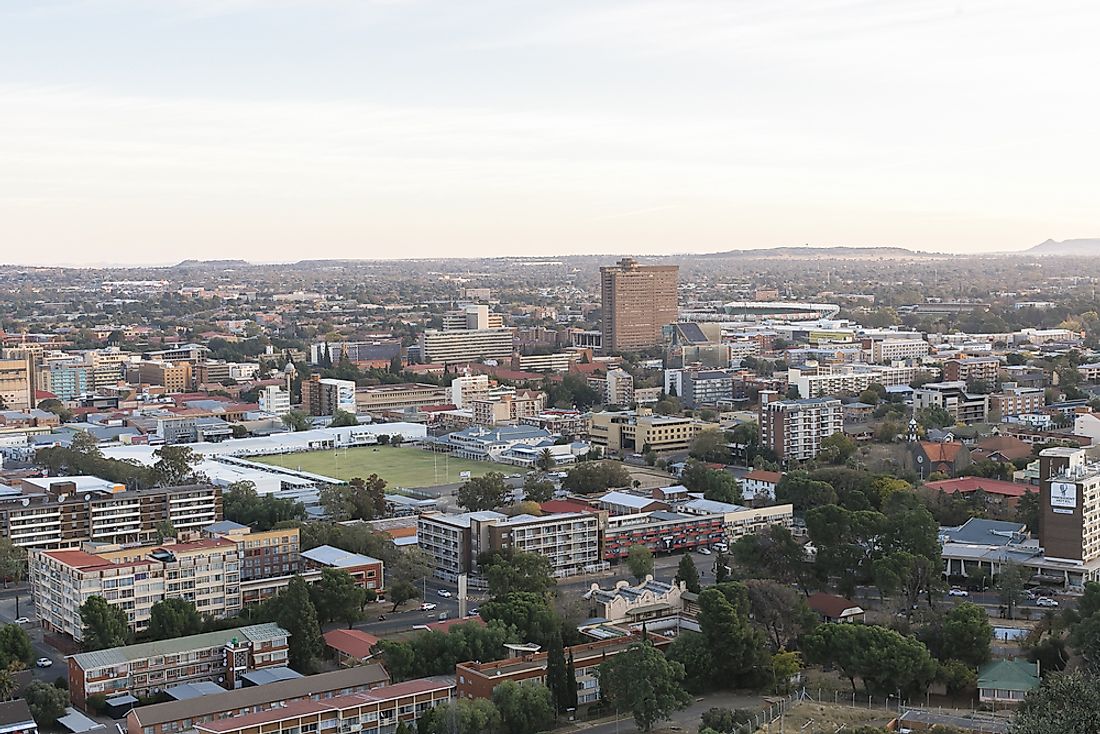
(427, 606)
(23, 620)
(43, 662)
(444, 593)
(958, 592)
(704, 551)
(1045, 601)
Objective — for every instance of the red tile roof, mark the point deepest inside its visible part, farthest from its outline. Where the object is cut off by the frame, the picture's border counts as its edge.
(557, 506)
(355, 643)
(760, 475)
(445, 626)
(830, 605)
(947, 451)
(973, 484)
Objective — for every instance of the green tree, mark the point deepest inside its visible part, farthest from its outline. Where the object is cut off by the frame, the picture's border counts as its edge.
(724, 720)
(105, 625)
(1012, 579)
(738, 657)
(710, 446)
(639, 559)
(175, 466)
(525, 708)
(715, 484)
(557, 676)
(590, 477)
(785, 666)
(510, 572)
(242, 504)
(15, 646)
(294, 612)
(359, 499)
(688, 573)
(47, 704)
(836, 449)
(773, 553)
(337, 597)
(483, 493)
(461, 716)
(171, 618)
(780, 611)
(967, 634)
(642, 681)
(883, 658)
(538, 490)
(546, 461)
(13, 561)
(343, 419)
(957, 676)
(400, 592)
(804, 493)
(1027, 511)
(296, 420)
(529, 613)
(1066, 703)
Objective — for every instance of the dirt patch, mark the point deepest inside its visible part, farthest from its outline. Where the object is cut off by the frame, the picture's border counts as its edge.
(826, 718)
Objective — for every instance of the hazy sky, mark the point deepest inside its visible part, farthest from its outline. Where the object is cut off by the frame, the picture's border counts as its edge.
(273, 130)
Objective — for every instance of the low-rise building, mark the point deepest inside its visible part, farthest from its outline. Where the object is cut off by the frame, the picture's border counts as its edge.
(1017, 401)
(953, 397)
(143, 669)
(760, 484)
(1007, 681)
(487, 444)
(368, 572)
(632, 604)
(972, 368)
(636, 431)
(380, 398)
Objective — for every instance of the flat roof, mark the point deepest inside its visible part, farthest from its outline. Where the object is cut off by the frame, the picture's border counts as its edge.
(328, 555)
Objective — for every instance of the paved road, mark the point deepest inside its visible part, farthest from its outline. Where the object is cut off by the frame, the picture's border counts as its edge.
(41, 650)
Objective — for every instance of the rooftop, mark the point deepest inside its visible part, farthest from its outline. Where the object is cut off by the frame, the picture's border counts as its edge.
(119, 655)
(328, 555)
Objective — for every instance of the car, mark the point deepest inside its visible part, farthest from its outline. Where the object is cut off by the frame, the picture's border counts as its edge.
(442, 616)
(1045, 601)
(704, 551)
(23, 620)
(956, 591)
(444, 593)
(473, 612)
(427, 606)
(43, 663)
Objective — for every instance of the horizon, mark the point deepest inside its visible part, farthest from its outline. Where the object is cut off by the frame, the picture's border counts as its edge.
(282, 130)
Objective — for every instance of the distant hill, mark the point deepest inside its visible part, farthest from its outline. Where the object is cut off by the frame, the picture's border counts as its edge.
(212, 264)
(1066, 247)
(850, 253)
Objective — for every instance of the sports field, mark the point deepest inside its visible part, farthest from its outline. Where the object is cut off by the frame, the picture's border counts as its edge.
(401, 467)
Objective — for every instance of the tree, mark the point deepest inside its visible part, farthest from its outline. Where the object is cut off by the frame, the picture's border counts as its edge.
(804, 493)
(510, 572)
(15, 646)
(715, 484)
(343, 419)
(836, 449)
(934, 417)
(957, 676)
(174, 465)
(294, 612)
(1067, 703)
(13, 561)
(642, 681)
(738, 656)
(724, 720)
(360, 499)
(595, 476)
(47, 704)
(296, 421)
(883, 658)
(337, 597)
(400, 592)
(105, 625)
(58, 408)
(529, 613)
(242, 504)
(687, 573)
(524, 707)
(1027, 511)
(710, 446)
(775, 554)
(779, 610)
(557, 677)
(546, 461)
(785, 666)
(639, 559)
(537, 489)
(1011, 581)
(967, 634)
(483, 493)
(171, 618)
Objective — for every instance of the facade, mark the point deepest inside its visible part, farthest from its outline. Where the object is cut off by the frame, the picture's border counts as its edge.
(661, 532)
(891, 350)
(274, 399)
(964, 407)
(1017, 401)
(15, 384)
(638, 301)
(558, 421)
(1007, 681)
(760, 483)
(833, 380)
(449, 541)
(1069, 508)
(558, 362)
(172, 376)
(507, 409)
(65, 512)
(193, 715)
(68, 379)
(633, 431)
(795, 429)
(368, 572)
(143, 669)
(379, 398)
(325, 395)
(614, 388)
(465, 345)
(972, 368)
(626, 604)
(263, 555)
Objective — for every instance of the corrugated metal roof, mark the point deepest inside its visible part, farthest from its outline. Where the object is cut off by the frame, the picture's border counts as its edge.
(177, 645)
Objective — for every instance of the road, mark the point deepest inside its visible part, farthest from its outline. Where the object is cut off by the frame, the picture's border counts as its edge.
(410, 616)
(686, 720)
(41, 650)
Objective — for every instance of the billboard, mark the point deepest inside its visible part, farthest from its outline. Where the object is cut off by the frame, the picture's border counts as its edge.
(1063, 497)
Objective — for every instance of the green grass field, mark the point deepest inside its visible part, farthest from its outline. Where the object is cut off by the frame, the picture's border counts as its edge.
(400, 467)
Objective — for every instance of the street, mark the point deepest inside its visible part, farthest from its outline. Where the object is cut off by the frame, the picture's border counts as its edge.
(41, 650)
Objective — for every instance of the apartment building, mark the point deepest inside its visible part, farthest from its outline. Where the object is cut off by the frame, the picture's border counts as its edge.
(15, 384)
(558, 362)
(198, 714)
(507, 409)
(964, 407)
(572, 542)
(1012, 400)
(172, 376)
(66, 512)
(472, 317)
(559, 421)
(379, 398)
(637, 301)
(835, 379)
(885, 351)
(460, 346)
(972, 368)
(148, 668)
(1090, 372)
(191, 353)
(706, 388)
(795, 429)
(274, 399)
(477, 680)
(68, 379)
(616, 387)
(219, 371)
(449, 541)
(634, 431)
(326, 395)
(263, 555)
(662, 531)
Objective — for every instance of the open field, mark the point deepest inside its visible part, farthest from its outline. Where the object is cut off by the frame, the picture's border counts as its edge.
(403, 466)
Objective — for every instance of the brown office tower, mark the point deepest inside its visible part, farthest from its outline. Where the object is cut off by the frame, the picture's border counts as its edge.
(638, 300)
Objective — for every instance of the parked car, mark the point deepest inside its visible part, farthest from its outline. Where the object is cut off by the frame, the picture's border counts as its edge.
(23, 620)
(444, 593)
(956, 591)
(442, 616)
(427, 606)
(704, 551)
(43, 663)
(473, 612)
(1045, 601)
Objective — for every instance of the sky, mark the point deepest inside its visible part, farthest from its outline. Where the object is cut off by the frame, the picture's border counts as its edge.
(150, 131)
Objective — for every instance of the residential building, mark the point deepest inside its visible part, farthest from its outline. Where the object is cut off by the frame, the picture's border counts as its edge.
(16, 718)
(172, 376)
(449, 541)
(635, 431)
(378, 398)
(557, 362)
(197, 714)
(350, 647)
(459, 346)
(274, 399)
(638, 301)
(147, 668)
(559, 422)
(464, 389)
(1012, 400)
(824, 381)
(761, 484)
(1090, 372)
(662, 532)
(15, 384)
(68, 379)
(326, 395)
(712, 388)
(953, 397)
(833, 608)
(1007, 492)
(972, 368)
(368, 572)
(477, 680)
(886, 351)
(625, 503)
(1007, 681)
(192, 353)
(263, 554)
(794, 430)
(65, 512)
(616, 387)
(507, 409)
(738, 520)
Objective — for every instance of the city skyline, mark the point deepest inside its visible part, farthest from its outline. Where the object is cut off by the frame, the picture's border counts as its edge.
(281, 130)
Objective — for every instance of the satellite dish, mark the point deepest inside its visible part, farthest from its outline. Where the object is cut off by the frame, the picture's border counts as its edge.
(87, 497)
(26, 501)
